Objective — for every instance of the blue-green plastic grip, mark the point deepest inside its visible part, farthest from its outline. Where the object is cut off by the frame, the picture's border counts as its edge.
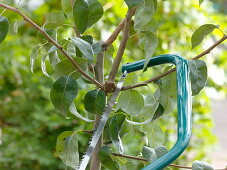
(183, 105)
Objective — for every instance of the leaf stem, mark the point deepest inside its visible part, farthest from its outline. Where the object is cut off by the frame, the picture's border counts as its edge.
(42, 31)
(174, 69)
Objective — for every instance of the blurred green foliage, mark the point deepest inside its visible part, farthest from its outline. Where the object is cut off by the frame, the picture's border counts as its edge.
(29, 123)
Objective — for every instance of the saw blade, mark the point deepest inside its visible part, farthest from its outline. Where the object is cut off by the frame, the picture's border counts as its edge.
(102, 123)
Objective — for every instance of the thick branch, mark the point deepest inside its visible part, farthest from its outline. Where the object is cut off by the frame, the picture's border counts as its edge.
(172, 70)
(142, 159)
(122, 46)
(52, 42)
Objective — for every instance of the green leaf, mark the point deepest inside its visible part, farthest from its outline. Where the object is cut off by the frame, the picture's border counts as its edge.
(108, 57)
(144, 13)
(65, 68)
(201, 165)
(97, 48)
(63, 93)
(95, 101)
(67, 7)
(115, 126)
(160, 151)
(71, 49)
(74, 111)
(54, 19)
(86, 13)
(149, 154)
(84, 47)
(151, 26)
(155, 134)
(152, 154)
(168, 93)
(149, 110)
(106, 160)
(4, 28)
(200, 2)
(53, 58)
(149, 42)
(15, 26)
(87, 38)
(34, 54)
(201, 33)
(198, 75)
(67, 149)
(131, 102)
(133, 3)
(159, 112)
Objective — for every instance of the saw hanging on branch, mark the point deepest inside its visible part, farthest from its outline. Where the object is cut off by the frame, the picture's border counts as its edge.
(184, 109)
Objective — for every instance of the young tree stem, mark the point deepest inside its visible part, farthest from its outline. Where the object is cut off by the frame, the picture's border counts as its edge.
(122, 46)
(42, 31)
(99, 75)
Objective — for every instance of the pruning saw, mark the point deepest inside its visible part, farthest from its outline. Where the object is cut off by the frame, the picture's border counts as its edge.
(183, 105)
(102, 123)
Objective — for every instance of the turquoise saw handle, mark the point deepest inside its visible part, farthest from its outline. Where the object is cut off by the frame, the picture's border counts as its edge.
(183, 105)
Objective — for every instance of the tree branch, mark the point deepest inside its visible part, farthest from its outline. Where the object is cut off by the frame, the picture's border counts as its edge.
(115, 34)
(122, 46)
(60, 48)
(174, 69)
(142, 159)
(99, 75)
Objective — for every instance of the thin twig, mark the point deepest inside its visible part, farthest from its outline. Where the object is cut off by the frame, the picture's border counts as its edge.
(122, 46)
(115, 33)
(211, 48)
(142, 159)
(174, 69)
(42, 31)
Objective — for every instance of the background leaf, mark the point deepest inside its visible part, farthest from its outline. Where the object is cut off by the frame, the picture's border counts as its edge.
(200, 2)
(198, 75)
(63, 92)
(54, 19)
(199, 35)
(4, 28)
(67, 7)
